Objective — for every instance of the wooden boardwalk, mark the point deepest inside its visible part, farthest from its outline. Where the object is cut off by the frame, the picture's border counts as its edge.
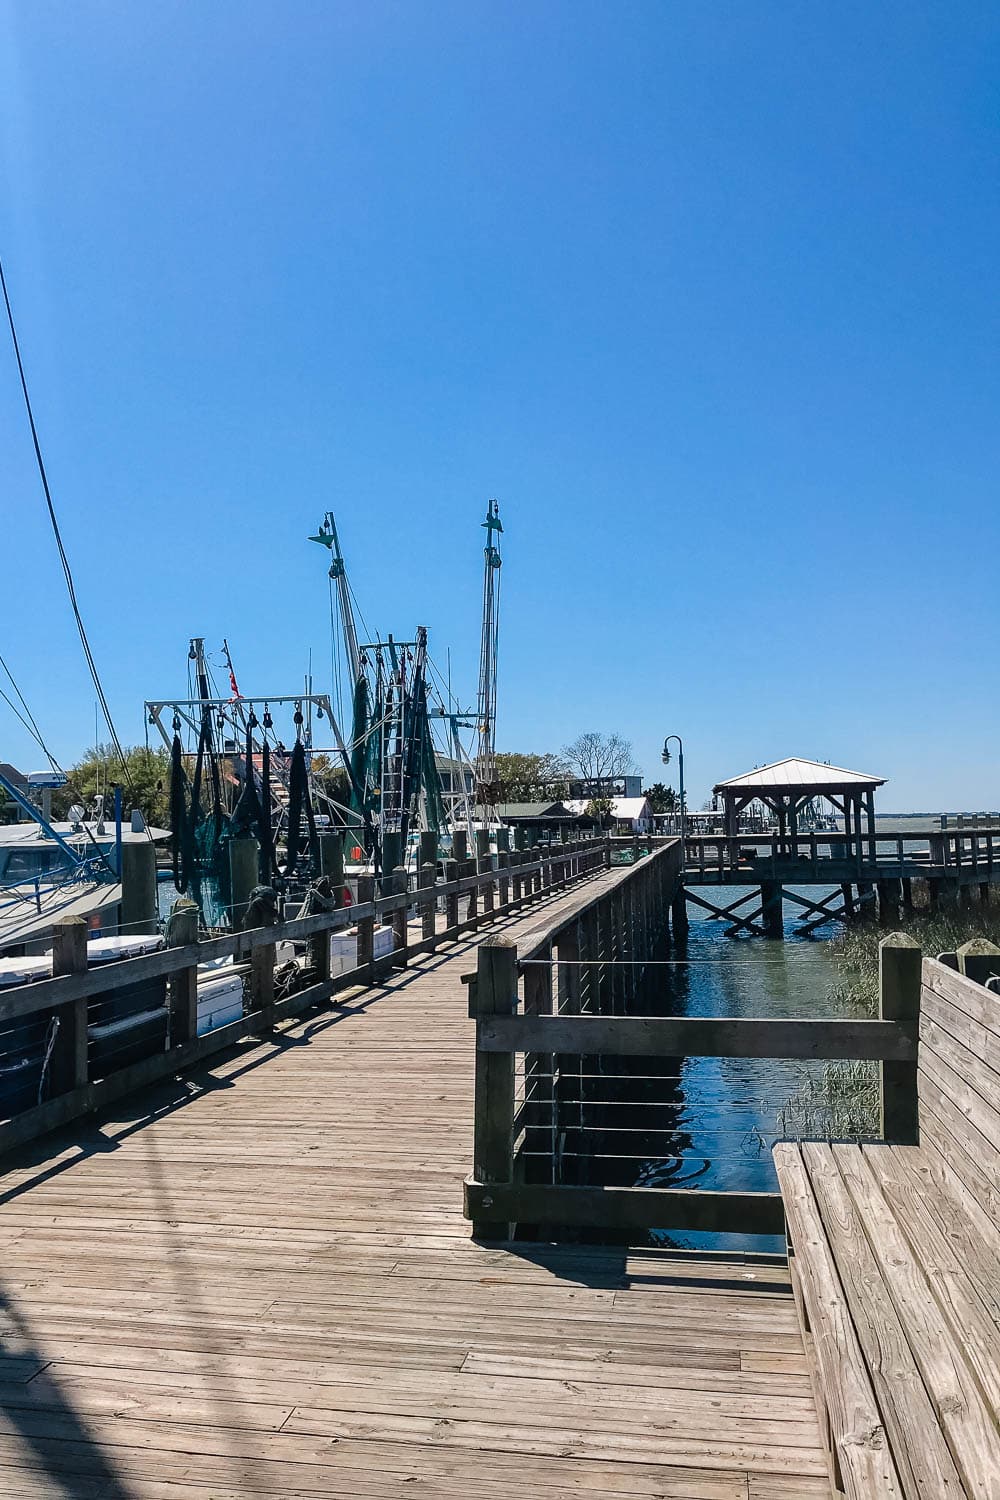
(259, 1283)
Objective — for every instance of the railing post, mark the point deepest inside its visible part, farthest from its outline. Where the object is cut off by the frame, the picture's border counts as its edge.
(899, 962)
(468, 870)
(979, 960)
(263, 957)
(69, 1050)
(515, 876)
(400, 929)
(366, 928)
(484, 866)
(536, 878)
(451, 900)
(428, 927)
(182, 932)
(496, 994)
(503, 860)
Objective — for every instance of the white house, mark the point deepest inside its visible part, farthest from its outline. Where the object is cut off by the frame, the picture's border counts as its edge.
(630, 814)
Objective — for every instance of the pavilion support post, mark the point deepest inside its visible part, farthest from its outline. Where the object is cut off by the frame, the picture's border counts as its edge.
(866, 898)
(888, 902)
(679, 913)
(772, 911)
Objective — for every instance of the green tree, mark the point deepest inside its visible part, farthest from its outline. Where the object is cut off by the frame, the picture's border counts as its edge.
(600, 809)
(8, 808)
(146, 786)
(662, 799)
(330, 777)
(523, 775)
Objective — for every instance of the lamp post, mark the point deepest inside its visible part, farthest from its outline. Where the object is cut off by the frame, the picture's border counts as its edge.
(665, 757)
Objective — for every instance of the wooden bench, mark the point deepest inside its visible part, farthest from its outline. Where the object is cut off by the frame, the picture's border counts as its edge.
(895, 1257)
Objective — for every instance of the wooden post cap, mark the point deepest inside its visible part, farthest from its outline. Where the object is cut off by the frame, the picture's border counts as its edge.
(978, 959)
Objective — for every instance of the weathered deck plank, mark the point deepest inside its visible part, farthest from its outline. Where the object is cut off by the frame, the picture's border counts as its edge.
(260, 1283)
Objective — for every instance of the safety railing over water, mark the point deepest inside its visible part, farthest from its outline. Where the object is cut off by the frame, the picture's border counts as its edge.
(56, 1020)
(554, 1013)
(967, 854)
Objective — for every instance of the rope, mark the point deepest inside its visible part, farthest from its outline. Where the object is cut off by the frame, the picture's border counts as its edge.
(50, 1041)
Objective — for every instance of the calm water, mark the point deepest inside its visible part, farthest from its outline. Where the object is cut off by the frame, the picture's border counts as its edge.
(726, 1113)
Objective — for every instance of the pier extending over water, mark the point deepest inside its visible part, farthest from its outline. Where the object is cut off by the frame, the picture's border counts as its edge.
(257, 1280)
(251, 1273)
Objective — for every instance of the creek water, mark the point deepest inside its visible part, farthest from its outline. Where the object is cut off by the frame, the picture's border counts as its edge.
(717, 1118)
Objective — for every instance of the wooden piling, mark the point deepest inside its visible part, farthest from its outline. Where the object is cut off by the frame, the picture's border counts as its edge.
(68, 1065)
(244, 872)
(139, 903)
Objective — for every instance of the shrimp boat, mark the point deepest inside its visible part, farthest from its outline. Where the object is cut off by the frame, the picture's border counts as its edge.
(249, 769)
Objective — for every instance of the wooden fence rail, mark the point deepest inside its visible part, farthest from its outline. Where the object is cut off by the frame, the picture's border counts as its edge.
(514, 880)
(966, 854)
(536, 1024)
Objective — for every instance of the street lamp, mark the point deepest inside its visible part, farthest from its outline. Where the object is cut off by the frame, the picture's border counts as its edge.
(665, 757)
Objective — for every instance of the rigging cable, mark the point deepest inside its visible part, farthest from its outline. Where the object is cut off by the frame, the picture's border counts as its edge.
(98, 687)
(29, 722)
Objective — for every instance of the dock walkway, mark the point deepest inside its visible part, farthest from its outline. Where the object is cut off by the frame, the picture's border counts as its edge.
(259, 1283)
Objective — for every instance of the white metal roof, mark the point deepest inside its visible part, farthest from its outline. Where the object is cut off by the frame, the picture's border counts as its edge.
(621, 807)
(799, 773)
(33, 834)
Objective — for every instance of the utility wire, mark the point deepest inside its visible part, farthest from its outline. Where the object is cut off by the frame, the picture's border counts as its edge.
(71, 587)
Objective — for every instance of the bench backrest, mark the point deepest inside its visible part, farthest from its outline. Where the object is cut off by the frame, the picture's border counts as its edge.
(958, 1078)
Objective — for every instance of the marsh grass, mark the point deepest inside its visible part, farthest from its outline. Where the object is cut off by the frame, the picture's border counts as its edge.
(843, 1099)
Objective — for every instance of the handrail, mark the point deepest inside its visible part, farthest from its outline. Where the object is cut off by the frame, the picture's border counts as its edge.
(497, 1194)
(508, 882)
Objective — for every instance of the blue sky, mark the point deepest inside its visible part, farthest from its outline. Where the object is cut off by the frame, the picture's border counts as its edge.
(706, 294)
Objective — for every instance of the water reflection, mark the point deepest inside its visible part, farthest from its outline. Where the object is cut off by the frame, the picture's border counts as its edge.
(698, 1122)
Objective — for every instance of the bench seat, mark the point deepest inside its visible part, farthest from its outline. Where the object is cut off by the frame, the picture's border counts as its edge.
(896, 1270)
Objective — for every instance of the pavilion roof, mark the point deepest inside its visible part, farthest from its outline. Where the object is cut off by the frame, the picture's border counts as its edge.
(799, 775)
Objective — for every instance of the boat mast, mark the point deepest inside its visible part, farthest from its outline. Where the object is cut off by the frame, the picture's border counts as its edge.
(327, 537)
(486, 768)
(197, 655)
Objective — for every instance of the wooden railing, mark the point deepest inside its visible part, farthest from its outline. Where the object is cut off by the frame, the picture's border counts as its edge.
(492, 886)
(538, 1023)
(960, 853)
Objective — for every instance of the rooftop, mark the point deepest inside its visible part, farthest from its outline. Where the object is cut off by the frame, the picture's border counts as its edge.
(808, 775)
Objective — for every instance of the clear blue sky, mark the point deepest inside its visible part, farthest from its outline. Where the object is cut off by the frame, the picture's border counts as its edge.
(706, 293)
